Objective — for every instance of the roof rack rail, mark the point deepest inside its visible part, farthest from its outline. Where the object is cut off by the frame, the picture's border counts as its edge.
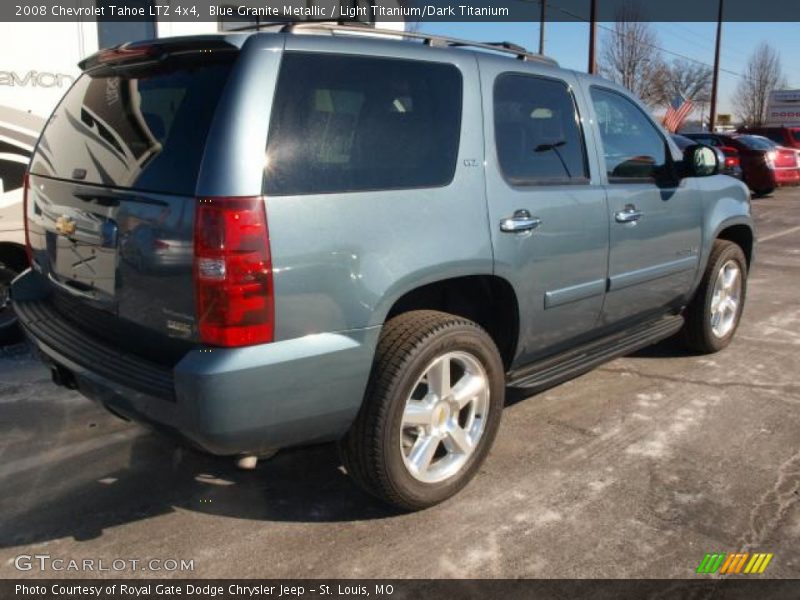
(334, 27)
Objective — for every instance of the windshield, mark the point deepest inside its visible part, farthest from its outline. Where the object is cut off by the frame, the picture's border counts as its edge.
(138, 127)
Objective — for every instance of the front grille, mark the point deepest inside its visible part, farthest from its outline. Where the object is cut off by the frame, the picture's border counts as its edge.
(43, 322)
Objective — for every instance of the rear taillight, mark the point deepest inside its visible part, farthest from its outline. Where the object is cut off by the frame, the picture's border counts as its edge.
(26, 186)
(732, 161)
(769, 158)
(160, 245)
(233, 272)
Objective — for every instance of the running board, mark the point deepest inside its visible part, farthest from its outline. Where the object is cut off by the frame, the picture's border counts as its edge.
(561, 367)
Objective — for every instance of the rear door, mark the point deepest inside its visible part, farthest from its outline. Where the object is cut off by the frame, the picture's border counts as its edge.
(547, 215)
(654, 218)
(111, 198)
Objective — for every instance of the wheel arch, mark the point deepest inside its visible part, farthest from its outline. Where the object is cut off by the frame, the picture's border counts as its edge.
(742, 235)
(14, 256)
(488, 300)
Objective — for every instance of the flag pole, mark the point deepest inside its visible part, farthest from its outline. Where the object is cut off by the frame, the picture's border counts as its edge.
(541, 26)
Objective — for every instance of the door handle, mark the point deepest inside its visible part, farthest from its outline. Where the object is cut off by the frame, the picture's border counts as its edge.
(521, 221)
(630, 214)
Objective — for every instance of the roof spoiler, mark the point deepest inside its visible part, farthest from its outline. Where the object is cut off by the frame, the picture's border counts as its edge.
(156, 50)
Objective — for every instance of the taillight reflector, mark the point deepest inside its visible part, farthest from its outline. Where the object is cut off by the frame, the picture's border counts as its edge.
(233, 272)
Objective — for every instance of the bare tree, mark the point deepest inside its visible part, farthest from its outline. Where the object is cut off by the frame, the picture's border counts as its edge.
(690, 79)
(763, 74)
(630, 57)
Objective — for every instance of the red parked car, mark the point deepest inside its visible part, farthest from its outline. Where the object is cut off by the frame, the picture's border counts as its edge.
(783, 136)
(765, 165)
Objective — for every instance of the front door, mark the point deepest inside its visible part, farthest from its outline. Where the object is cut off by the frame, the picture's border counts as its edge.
(547, 215)
(655, 219)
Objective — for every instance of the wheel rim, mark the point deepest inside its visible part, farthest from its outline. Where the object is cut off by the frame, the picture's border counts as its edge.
(726, 299)
(444, 417)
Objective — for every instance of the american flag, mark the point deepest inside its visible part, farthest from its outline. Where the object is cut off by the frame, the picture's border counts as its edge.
(678, 110)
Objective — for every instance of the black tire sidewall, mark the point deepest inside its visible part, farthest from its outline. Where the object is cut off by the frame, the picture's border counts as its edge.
(455, 338)
(731, 252)
(9, 328)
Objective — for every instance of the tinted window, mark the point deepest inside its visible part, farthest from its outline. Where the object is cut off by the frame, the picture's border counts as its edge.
(756, 142)
(142, 127)
(795, 135)
(683, 142)
(633, 147)
(537, 133)
(349, 123)
(708, 141)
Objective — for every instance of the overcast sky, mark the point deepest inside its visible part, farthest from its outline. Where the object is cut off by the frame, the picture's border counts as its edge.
(568, 43)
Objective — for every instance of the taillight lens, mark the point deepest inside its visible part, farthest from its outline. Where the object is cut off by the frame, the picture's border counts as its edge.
(233, 272)
(26, 186)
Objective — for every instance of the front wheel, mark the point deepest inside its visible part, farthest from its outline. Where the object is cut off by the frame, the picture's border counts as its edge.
(430, 413)
(713, 315)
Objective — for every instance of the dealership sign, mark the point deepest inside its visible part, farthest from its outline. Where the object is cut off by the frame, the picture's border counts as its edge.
(784, 108)
(42, 79)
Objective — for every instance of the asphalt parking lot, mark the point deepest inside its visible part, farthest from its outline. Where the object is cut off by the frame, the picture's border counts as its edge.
(634, 470)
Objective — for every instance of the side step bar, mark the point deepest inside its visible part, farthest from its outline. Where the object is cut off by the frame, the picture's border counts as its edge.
(561, 367)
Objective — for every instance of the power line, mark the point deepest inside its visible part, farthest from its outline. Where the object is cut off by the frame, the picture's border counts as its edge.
(654, 46)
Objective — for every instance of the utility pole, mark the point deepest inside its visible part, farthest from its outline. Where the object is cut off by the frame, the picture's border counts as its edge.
(593, 37)
(712, 118)
(541, 26)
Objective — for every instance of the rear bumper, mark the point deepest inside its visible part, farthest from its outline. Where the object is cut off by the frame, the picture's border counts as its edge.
(787, 176)
(225, 401)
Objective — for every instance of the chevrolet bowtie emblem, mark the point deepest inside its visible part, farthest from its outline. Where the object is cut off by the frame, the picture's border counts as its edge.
(65, 225)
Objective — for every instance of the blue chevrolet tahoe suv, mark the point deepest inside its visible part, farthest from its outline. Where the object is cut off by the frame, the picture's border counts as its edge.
(307, 234)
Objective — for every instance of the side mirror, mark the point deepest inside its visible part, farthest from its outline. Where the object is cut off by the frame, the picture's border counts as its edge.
(700, 161)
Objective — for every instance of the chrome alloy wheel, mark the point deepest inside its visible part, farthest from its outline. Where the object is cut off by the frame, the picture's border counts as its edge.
(444, 417)
(726, 298)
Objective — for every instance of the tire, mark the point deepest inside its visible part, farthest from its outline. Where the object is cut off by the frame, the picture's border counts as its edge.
(700, 333)
(763, 193)
(379, 450)
(10, 332)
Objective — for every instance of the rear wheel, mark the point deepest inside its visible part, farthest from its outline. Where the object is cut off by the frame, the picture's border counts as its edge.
(431, 410)
(714, 313)
(763, 192)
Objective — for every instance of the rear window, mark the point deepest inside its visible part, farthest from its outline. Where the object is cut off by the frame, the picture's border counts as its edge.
(138, 127)
(756, 142)
(352, 123)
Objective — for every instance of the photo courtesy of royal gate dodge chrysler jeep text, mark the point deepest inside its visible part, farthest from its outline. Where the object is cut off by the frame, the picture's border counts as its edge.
(266, 239)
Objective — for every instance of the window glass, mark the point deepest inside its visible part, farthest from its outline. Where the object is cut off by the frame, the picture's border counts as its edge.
(708, 141)
(351, 123)
(633, 147)
(537, 133)
(138, 126)
(756, 142)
